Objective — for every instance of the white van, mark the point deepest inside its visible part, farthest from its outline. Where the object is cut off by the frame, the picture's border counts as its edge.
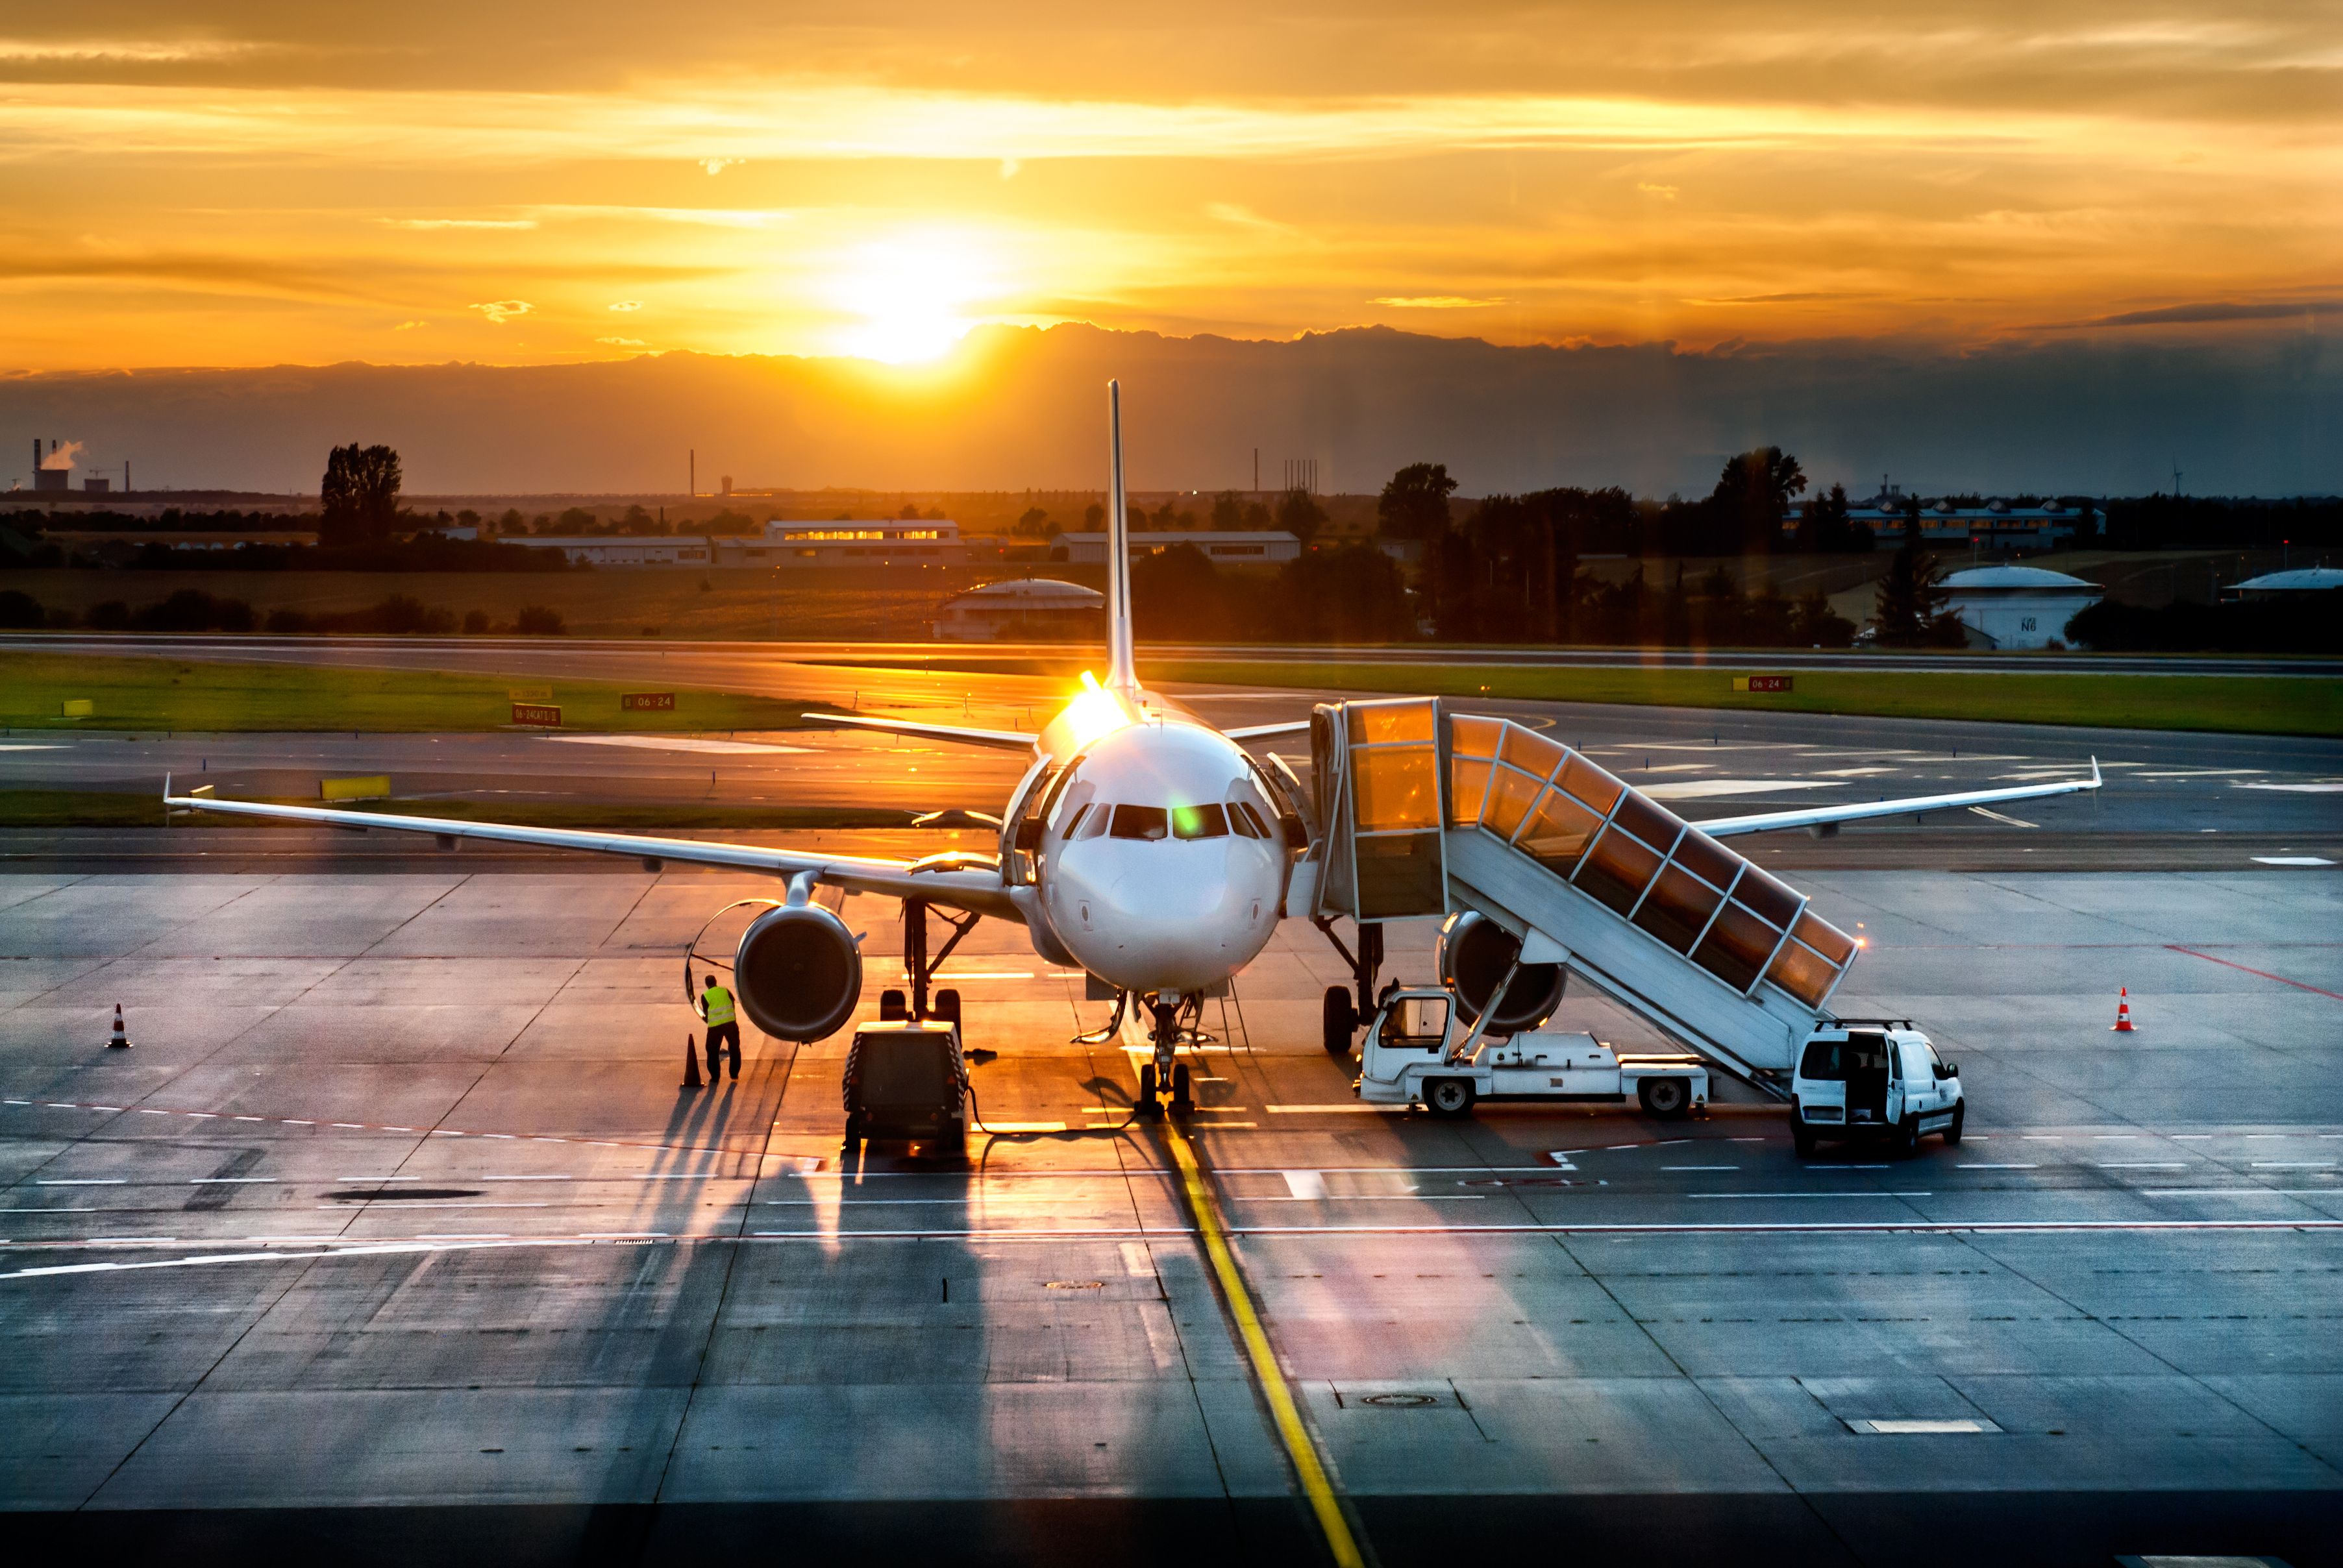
(1874, 1078)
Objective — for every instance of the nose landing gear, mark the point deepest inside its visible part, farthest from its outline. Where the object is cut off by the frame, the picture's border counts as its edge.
(1165, 1073)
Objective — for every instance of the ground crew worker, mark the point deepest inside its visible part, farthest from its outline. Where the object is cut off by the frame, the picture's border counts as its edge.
(715, 1007)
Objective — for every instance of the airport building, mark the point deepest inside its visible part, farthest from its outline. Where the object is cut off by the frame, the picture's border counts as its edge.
(882, 542)
(907, 541)
(1996, 525)
(2287, 584)
(1025, 607)
(2016, 607)
(1236, 547)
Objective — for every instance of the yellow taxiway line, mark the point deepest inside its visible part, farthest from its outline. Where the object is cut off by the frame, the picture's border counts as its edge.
(1299, 1445)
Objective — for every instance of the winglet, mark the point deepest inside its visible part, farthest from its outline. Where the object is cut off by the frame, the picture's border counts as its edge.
(1122, 676)
(2094, 772)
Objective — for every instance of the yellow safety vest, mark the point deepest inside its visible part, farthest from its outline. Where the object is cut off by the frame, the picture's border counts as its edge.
(720, 1004)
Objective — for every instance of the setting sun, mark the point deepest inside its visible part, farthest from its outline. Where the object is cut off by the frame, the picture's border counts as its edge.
(909, 298)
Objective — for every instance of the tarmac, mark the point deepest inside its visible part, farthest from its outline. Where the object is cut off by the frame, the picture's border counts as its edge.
(395, 1207)
(394, 1235)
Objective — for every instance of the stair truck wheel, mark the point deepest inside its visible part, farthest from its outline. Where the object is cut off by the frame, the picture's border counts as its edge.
(1953, 1128)
(1802, 1137)
(1665, 1097)
(1341, 1020)
(1449, 1097)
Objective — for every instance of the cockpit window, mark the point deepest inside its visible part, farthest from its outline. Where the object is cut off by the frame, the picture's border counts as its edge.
(1246, 821)
(1075, 826)
(1199, 823)
(1149, 822)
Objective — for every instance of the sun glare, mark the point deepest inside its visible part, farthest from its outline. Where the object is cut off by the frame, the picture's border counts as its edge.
(910, 298)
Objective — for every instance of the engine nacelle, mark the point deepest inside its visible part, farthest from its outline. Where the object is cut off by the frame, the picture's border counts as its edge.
(1474, 955)
(799, 972)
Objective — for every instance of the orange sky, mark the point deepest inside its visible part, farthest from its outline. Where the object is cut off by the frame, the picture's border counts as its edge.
(552, 182)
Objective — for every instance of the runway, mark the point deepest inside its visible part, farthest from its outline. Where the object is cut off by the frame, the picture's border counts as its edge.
(394, 1229)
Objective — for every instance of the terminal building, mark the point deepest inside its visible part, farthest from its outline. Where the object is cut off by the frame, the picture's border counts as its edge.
(1024, 609)
(2016, 607)
(1234, 547)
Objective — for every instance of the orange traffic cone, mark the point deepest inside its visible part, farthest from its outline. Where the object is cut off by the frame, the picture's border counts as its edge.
(121, 1041)
(690, 1064)
(2123, 1011)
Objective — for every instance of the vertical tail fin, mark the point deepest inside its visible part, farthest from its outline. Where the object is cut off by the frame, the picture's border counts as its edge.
(1122, 675)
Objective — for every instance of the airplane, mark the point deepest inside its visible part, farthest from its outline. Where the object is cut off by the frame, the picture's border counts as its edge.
(1143, 845)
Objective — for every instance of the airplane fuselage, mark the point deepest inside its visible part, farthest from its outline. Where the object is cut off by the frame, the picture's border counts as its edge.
(1162, 867)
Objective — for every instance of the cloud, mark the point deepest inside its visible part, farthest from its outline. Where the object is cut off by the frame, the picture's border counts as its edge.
(409, 325)
(2212, 311)
(1665, 192)
(428, 223)
(1436, 302)
(501, 311)
(718, 166)
(1794, 298)
(625, 304)
(622, 342)
(1010, 167)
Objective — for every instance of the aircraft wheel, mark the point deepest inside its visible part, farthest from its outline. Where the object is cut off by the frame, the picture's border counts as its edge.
(1341, 1020)
(1180, 1100)
(1449, 1097)
(1147, 1106)
(892, 1009)
(946, 1005)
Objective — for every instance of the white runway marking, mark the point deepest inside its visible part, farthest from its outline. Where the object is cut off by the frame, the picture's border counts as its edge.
(681, 743)
(1711, 788)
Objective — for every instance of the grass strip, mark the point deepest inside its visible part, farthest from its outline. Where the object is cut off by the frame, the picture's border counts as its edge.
(2239, 704)
(108, 809)
(180, 695)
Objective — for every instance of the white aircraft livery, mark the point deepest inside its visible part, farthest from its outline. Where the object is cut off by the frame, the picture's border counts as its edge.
(1143, 845)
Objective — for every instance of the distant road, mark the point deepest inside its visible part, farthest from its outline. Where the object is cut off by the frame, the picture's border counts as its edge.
(474, 652)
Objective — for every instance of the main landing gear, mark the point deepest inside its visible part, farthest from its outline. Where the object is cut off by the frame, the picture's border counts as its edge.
(1165, 1074)
(1340, 1015)
(919, 969)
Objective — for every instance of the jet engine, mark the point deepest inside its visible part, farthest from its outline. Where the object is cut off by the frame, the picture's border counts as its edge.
(1474, 953)
(799, 972)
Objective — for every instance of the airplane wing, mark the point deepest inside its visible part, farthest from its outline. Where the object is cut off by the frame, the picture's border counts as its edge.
(1267, 731)
(955, 886)
(1005, 739)
(1831, 816)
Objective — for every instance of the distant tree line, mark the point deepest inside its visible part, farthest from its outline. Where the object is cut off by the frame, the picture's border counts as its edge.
(194, 610)
(2286, 623)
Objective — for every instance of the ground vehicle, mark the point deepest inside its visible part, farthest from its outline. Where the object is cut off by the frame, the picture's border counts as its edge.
(1420, 1050)
(906, 1079)
(1874, 1078)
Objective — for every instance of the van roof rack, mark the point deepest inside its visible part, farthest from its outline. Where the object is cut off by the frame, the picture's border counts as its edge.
(1866, 1023)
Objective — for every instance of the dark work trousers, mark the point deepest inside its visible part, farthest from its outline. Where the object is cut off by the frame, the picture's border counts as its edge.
(723, 1032)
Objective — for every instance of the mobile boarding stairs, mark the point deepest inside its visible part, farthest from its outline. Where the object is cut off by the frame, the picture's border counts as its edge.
(1423, 813)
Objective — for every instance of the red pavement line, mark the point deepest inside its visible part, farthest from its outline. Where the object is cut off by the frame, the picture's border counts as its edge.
(2264, 974)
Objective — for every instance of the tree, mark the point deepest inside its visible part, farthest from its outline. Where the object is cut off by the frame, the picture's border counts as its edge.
(1354, 594)
(1035, 524)
(1824, 528)
(1228, 512)
(1909, 610)
(1755, 490)
(1094, 517)
(1176, 594)
(1415, 505)
(1299, 514)
(358, 499)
